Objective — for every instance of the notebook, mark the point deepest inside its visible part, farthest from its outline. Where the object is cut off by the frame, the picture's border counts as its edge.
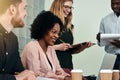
(107, 63)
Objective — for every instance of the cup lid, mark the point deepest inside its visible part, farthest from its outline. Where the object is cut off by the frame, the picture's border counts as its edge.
(116, 70)
(106, 71)
(76, 70)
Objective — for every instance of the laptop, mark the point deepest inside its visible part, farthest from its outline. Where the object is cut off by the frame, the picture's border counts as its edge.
(107, 63)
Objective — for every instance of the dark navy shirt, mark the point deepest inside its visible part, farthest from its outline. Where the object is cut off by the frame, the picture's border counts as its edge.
(65, 57)
(10, 61)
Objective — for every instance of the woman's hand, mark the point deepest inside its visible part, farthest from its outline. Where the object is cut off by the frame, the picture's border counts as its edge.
(25, 75)
(82, 46)
(67, 78)
(62, 46)
(51, 75)
(88, 44)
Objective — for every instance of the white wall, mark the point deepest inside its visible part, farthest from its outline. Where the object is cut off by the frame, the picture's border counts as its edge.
(86, 19)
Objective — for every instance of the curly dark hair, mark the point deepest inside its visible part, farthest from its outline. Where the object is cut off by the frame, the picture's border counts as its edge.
(44, 22)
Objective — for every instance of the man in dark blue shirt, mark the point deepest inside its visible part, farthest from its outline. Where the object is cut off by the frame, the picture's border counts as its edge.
(12, 13)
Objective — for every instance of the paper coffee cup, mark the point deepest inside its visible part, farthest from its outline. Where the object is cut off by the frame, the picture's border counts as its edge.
(76, 74)
(115, 75)
(105, 74)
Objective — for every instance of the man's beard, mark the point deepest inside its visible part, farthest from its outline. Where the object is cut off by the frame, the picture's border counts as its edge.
(17, 22)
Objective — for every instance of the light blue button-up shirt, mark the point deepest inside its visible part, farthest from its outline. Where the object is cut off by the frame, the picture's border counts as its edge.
(110, 25)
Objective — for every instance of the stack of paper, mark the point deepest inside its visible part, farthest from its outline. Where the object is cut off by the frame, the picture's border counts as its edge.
(110, 36)
(107, 38)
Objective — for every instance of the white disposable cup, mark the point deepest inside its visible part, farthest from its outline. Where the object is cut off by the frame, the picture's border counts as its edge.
(105, 74)
(115, 75)
(76, 74)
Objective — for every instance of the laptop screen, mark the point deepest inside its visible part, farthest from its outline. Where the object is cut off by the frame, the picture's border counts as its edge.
(107, 63)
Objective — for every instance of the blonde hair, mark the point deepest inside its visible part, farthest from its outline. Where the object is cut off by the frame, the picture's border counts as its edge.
(57, 9)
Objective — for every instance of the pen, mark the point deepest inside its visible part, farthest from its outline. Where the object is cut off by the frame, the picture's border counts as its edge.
(16, 73)
(61, 41)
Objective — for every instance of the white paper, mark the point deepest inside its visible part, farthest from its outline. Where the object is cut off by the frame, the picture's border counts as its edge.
(110, 36)
(44, 78)
(107, 38)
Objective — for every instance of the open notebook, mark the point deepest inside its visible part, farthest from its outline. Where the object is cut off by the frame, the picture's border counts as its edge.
(107, 63)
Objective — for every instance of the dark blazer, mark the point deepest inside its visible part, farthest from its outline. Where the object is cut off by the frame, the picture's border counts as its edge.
(10, 61)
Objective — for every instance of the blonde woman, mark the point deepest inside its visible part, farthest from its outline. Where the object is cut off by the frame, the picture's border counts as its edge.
(63, 9)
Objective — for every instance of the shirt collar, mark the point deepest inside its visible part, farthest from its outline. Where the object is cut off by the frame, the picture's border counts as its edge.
(2, 30)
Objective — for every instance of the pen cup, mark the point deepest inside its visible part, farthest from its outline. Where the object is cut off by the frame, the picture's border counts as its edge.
(105, 74)
(76, 74)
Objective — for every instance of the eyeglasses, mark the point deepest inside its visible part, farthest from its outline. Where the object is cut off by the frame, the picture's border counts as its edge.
(68, 7)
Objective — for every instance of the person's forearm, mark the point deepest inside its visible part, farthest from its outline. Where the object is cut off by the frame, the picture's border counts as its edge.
(55, 47)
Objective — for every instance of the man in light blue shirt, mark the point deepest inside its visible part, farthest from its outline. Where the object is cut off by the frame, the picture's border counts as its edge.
(111, 25)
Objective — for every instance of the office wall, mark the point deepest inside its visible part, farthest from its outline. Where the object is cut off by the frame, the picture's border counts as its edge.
(86, 19)
(33, 8)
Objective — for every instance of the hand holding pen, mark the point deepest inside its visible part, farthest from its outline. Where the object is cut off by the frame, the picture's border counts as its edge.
(62, 46)
(75, 48)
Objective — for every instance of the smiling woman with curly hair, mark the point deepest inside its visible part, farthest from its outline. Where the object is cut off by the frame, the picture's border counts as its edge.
(38, 55)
